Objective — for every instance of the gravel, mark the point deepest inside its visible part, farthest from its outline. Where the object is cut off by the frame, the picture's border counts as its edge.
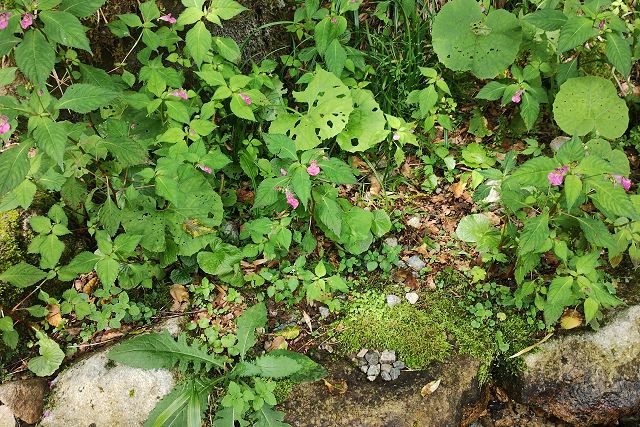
(376, 364)
(412, 297)
(416, 263)
(393, 300)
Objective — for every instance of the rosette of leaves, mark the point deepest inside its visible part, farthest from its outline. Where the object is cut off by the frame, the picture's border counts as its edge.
(249, 393)
(590, 105)
(466, 39)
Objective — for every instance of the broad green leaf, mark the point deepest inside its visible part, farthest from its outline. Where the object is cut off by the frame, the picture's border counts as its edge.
(301, 184)
(329, 106)
(221, 261)
(529, 110)
(328, 212)
(492, 91)
(84, 262)
(566, 71)
(14, 166)
(269, 191)
(184, 406)
(190, 16)
(328, 30)
(228, 48)
(84, 98)
(193, 3)
(21, 196)
(7, 42)
(281, 146)
(576, 31)
(310, 371)
(51, 251)
(51, 137)
(7, 75)
(81, 8)
(240, 108)
(532, 173)
(546, 19)
(466, 39)
(366, 125)
(572, 190)
(35, 57)
(618, 53)
(161, 351)
(381, 224)
(198, 42)
(254, 317)
(107, 269)
(65, 29)
(270, 366)
(534, 233)
(266, 416)
(51, 356)
(472, 228)
(596, 232)
(336, 171)
(226, 9)
(601, 294)
(591, 307)
(335, 57)
(559, 295)
(22, 275)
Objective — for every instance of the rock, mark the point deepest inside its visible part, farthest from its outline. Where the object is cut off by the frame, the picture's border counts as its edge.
(385, 376)
(372, 378)
(415, 221)
(394, 374)
(416, 263)
(388, 356)
(372, 357)
(412, 297)
(395, 404)
(384, 367)
(588, 378)
(393, 300)
(97, 391)
(324, 312)
(362, 353)
(399, 364)
(364, 368)
(25, 398)
(391, 242)
(373, 371)
(6, 417)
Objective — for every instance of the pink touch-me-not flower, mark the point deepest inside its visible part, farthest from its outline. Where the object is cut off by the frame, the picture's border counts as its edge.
(557, 176)
(4, 20)
(180, 93)
(245, 98)
(291, 199)
(26, 21)
(168, 18)
(396, 136)
(206, 169)
(624, 181)
(283, 172)
(313, 168)
(4, 125)
(517, 97)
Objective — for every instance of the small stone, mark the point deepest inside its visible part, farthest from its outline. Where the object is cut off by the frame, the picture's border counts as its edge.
(416, 263)
(393, 300)
(6, 417)
(372, 378)
(391, 242)
(412, 297)
(386, 376)
(372, 357)
(362, 353)
(388, 356)
(399, 364)
(361, 362)
(364, 368)
(395, 373)
(414, 221)
(374, 370)
(324, 312)
(402, 264)
(385, 367)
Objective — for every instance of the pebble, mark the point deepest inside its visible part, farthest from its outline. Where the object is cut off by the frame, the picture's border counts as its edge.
(364, 368)
(372, 378)
(414, 221)
(373, 371)
(399, 364)
(416, 263)
(385, 367)
(372, 357)
(386, 376)
(324, 312)
(391, 242)
(395, 373)
(412, 297)
(388, 356)
(402, 264)
(393, 300)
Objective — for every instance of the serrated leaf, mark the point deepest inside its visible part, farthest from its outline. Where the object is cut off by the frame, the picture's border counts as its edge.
(161, 351)
(281, 145)
(572, 190)
(221, 261)
(532, 173)
(559, 295)
(269, 191)
(301, 184)
(381, 223)
(254, 317)
(618, 53)
(591, 307)
(266, 416)
(84, 262)
(51, 251)
(270, 366)
(7, 75)
(336, 171)
(546, 19)
(534, 233)
(335, 57)
(107, 270)
(328, 212)
(65, 29)
(51, 356)
(22, 275)
(596, 232)
(14, 166)
(198, 42)
(492, 91)
(576, 31)
(81, 8)
(35, 57)
(309, 371)
(84, 98)
(227, 9)
(51, 137)
(228, 48)
(529, 110)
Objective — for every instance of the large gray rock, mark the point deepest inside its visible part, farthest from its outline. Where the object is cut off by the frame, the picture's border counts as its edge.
(25, 398)
(6, 417)
(97, 391)
(457, 401)
(589, 378)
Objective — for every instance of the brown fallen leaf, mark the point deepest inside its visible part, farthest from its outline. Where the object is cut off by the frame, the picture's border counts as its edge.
(180, 297)
(375, 187)
(571, 319)
(307, 320)
(53, 315)
(278, 343)
(458, 188)
(339, 387)
(428, 389)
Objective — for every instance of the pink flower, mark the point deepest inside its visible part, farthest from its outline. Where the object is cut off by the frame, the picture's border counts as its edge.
(556, 177)
(206, 169)
(168, 18)
(4, 20)
(601, 24)
(396, 136)
(482, 8)
(283, 172)
(4, 125)
(624, 181)
(180, 93)
(313, 168)
(27, 21)
(516, 98)
(334, 20)
(245, 98)
(291, 199)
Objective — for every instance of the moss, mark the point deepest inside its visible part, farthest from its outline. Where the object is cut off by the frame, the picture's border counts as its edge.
(283, 389)
(11, 252)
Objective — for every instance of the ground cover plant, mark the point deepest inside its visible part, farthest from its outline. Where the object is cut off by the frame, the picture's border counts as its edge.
(183, 174)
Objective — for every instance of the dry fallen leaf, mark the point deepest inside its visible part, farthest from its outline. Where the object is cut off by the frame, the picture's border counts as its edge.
(53, 315)
(278, 343)
(339, 387)
(180, 297)
(375, 185)
(571, 319)
(458, 188)
(307, 320)
(430, 388)
(531, 347)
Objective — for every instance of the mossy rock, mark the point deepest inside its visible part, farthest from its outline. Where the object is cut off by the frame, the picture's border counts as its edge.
(14, 238)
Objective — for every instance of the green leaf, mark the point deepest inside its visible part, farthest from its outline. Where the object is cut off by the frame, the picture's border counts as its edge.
(572, 190)
(65, 29)
(107, 269)
(14, 166)
(266, 416)
(596, 232)
(7, 75)
(254, 317)
(472, 228)
(7, 42)
(227, 9)
(184, 406)
(566, 71)
(328, 212)
(220, 262)
(190, 16)
(591, 307)
(228, 48)
(602, 295)
(532, 173)
(51, 137)
(22, 196)
(381, 224)
(466, 39)
(576, 31)
(270, 366)
(81, 8)
(198, 41)
(178, 111)
(281, 146)
(309, 370)
(84, 262)
(618, 53)
(546, 19)
(51, 251)
(335, 57)
(336, 171)
(22, 275)
(534, 233)
(301, 184)
(529, 110)
(84, 98)
(559, 296)
(51, 356)
(240, 108)
(328, 30)
(492, 91)
(269, 191)
(35, 57)
(366, 125)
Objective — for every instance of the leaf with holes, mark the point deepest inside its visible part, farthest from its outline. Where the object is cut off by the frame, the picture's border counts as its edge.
(590, 104)
(366, 126)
